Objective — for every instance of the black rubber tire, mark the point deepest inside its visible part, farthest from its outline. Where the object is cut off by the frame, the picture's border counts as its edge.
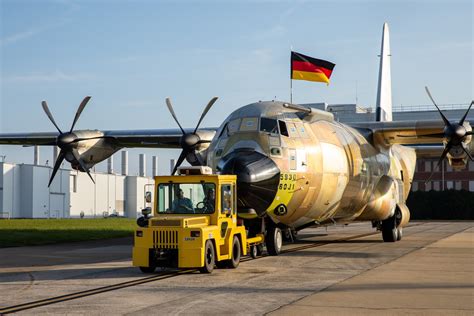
(389, 230)
(209, 258)
(259, 249)
(399, 233)
(147, 269)
(253, 252)
(235, 255)
(274, 240)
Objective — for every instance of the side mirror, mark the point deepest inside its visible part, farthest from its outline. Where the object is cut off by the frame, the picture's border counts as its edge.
(148, 196)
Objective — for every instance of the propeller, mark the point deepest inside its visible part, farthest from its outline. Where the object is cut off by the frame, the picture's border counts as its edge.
(189, 141)
(455, 133)
(67, 141)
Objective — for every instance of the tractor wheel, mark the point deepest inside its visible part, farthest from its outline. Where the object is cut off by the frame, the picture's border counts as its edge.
(209, 258)
(235, 256)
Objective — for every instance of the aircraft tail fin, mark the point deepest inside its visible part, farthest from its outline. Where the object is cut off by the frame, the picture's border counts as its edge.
(383, 111)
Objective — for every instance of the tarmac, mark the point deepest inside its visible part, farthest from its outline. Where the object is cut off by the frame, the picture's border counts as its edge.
(430, 271)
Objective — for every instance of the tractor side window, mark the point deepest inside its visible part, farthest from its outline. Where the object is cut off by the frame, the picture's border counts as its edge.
(226, 199)
(268, 125)
(283, 129)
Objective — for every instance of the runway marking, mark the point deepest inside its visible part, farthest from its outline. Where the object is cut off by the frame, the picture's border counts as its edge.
(159, 277)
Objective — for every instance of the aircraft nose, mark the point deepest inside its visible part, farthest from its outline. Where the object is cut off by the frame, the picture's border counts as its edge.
(257, 179)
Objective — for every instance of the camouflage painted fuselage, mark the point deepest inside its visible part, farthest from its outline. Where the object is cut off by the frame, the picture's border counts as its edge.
(328, 171)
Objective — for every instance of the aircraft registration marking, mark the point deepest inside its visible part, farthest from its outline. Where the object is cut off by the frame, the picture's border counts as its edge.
(286, 188)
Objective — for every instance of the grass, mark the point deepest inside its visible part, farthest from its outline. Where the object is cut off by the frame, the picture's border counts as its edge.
(29, 232)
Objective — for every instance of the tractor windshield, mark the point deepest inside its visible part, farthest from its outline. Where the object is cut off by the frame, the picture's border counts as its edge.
(186, 198)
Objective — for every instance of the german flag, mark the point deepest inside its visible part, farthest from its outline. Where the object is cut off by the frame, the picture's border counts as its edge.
(308, 68)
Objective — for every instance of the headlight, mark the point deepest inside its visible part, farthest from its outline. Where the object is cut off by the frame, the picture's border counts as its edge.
(142, 222)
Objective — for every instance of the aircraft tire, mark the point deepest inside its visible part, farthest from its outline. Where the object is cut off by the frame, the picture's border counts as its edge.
(274, 240)
(209, 258)
(399, 233)
(235, 256)
(389, 230)
(147, 269)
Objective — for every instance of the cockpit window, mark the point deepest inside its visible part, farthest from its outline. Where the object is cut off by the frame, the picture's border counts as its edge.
(233, 126)
(283, 129)
(249, 124)
(268, 125)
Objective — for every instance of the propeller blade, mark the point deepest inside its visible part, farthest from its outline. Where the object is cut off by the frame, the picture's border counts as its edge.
(446, 121)
(76, 155)
(461, 122)
(467, 153)
(50, 116)
(59, 161)
(206, 109)
(79, 111)
(179, 162)
(443, 155)
(170, 108)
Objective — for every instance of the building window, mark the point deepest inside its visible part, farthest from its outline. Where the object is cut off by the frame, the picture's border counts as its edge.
(449, 185)
(471, 186)
(471, 165)
(436, 185)
(428, 166)
(448, 167)
(73, 183)
(428, 186)
(458, 185)
(414, 186)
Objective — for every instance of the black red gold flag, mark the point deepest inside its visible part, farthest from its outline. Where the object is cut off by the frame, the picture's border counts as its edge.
(308, 68)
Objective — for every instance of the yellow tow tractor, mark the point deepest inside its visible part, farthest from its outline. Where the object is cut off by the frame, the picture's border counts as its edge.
(194, 224)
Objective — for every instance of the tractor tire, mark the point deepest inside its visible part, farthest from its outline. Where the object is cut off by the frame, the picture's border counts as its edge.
(209, 258)
(236, 252)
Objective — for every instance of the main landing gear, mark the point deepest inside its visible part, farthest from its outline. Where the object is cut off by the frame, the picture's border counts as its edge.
(391, 231)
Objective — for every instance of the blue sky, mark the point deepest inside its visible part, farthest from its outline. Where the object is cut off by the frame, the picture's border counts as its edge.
(130, 55)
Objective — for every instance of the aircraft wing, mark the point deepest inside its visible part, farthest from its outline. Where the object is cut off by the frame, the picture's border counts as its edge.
(28, 139)
(406, 132)
(152, 138)
(155, 138)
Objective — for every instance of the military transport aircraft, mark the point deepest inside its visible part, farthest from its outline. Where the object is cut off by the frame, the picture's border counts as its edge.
(296, 166)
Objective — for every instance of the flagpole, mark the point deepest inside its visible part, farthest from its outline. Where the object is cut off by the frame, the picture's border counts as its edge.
(291, 90)
(291, 76)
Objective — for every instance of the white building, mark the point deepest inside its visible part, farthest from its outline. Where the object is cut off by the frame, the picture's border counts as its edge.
(24, 193)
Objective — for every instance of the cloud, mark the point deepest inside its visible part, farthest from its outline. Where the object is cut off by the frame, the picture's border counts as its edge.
(56, 76)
